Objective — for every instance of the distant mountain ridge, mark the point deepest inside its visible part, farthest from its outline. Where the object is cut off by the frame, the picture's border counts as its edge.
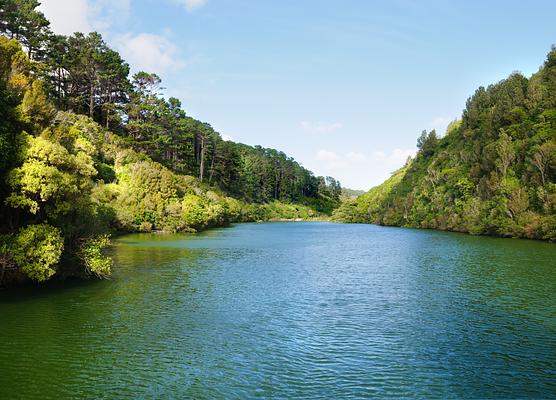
(351, 193)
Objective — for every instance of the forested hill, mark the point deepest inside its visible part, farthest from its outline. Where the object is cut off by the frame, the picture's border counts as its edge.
(493, 173)
(86, 150)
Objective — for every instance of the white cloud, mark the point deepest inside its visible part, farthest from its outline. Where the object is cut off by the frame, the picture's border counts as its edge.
(191, 5)
(67, 17)
(143, 51)
(149, 52)
(226, 137)
(320, 127)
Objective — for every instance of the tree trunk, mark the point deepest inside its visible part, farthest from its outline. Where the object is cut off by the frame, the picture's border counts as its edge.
(538, 162)
(91, 101)
(212, 165)
(202, 161)
(108, 109)
(277, 178)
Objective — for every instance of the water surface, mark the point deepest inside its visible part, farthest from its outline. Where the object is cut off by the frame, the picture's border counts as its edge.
(284, 310)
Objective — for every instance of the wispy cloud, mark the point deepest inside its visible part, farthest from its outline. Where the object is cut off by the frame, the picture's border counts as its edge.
(320, 127)
(335, 160)
(108, 13)
(396, 157)
(149, 52)
(191, 5)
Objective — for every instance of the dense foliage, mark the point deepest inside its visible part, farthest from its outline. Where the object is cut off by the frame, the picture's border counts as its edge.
(86, 152)
(494, 172)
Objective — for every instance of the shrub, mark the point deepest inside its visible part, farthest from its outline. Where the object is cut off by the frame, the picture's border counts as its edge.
(91, 254)
(37, 249)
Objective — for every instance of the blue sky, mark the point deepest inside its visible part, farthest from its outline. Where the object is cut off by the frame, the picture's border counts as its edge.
(345, 87)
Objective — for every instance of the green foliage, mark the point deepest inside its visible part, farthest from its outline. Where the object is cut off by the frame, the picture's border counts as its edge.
(20, 19)
(194, 211)
(36, 250)
(36, 109)
(162, 130)
(13, 80)
(106, 172)
(86, 151)
(427, 142)
(147, 196)
(365, 208)
(51, 179)
(91, 254)
(276, 211)
(494, 172)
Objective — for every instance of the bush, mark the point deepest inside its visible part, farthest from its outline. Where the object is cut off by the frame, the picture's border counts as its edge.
(36, 251)
(91, 253)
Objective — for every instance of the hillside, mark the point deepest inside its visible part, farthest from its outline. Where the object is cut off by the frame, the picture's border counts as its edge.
(351, 193)
(493, 172)
(87, 152)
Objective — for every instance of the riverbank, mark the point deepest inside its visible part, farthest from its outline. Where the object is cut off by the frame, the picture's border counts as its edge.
(68, 268)
(73, 172)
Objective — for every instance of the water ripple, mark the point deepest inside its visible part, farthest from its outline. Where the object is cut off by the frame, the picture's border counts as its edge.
(284, 310)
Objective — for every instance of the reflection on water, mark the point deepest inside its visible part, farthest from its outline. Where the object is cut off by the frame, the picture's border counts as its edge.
(312, 310)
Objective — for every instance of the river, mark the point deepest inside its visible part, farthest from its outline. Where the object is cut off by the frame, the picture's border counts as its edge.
(292, 310)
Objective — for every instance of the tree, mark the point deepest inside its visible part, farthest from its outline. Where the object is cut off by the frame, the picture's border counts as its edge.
(37, 250)
(543, 155)
(13, 82)
(505, 152)
(36, 108)
(146, 83)
(493, 173)
(144, 107)
(57, 74)
(65, 181)
(91, 253)
(427, 142)
(86, 76)
(51, 180)
(20, 19)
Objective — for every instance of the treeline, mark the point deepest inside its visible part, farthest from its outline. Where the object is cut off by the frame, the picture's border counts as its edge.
(82, 74)
(87, 151)
(493, 173)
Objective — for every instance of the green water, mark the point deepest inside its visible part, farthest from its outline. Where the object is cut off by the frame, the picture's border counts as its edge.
(292, 310)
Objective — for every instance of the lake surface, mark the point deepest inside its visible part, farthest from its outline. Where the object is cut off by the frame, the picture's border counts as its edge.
(292, 310)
